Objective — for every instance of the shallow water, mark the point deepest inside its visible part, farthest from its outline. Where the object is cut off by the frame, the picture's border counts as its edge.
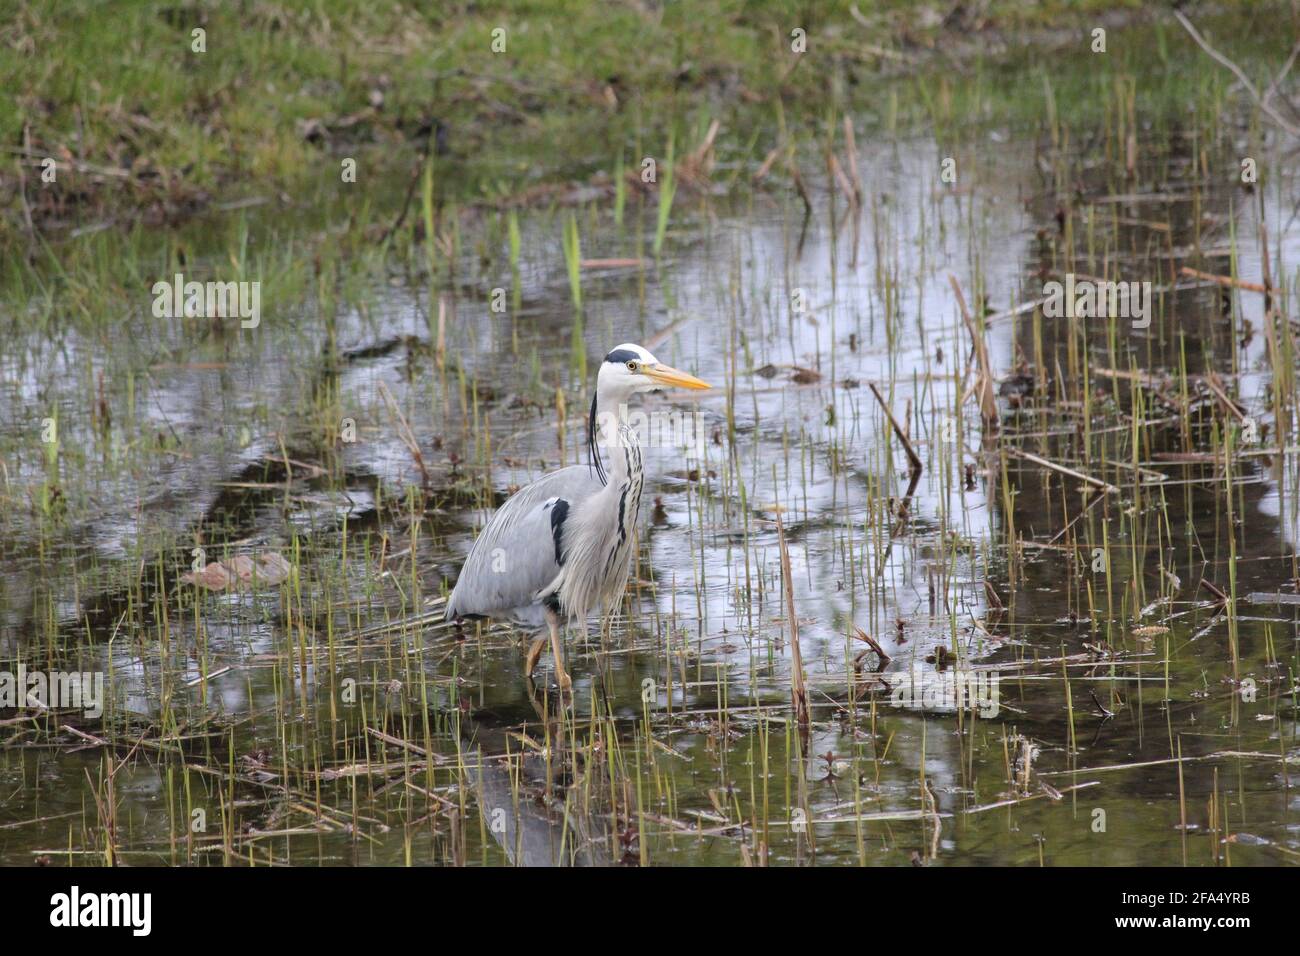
(325, 721)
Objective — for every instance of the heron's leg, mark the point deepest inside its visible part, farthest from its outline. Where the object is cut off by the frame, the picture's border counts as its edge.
(534, 652)
(557, 649)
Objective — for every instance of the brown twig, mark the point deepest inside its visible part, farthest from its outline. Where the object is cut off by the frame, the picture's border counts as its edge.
(768, 162)
(984, 385)
(875, 646)
(841, 180)
(1218, 594)
(798, 692)
(404, 430)
(1277, 80)
(800, 188)
(1107, 714)
(1061, 469)
(1239, 73)
(410, 194)
(912, 456)
(1226, 280)
(851, 159)
(1216, 387)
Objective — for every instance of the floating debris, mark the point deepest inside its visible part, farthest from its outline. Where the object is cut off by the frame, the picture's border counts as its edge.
(269, 568)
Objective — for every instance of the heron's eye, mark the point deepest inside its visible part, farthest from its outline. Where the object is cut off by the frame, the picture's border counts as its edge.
(633, 365)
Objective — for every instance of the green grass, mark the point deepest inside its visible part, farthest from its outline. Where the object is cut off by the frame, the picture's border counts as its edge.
(285, 92)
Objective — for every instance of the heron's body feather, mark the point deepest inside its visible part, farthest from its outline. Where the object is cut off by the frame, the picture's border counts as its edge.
(515, 555)
(598, 537)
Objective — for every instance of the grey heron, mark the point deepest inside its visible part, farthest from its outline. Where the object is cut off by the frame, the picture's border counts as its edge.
(560, 548)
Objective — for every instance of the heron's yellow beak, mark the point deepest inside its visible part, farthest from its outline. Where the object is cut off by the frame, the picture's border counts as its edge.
(667, 375)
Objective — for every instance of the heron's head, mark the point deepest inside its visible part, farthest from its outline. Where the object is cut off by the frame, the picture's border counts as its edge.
(629, 369)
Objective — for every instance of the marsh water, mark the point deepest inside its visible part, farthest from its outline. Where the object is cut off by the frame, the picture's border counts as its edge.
(1122, 713)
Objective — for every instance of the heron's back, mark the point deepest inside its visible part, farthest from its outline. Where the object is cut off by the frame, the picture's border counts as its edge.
(515, 555)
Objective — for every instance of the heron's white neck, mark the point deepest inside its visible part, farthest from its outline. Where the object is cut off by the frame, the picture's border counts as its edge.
(614, 441)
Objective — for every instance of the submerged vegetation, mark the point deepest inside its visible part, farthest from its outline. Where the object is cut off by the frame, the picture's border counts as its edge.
(954, 577)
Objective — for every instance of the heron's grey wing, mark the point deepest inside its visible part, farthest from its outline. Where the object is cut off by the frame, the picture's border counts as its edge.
(515, 555)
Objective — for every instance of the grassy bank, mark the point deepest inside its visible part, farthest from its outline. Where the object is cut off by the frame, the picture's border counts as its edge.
(142, 126)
